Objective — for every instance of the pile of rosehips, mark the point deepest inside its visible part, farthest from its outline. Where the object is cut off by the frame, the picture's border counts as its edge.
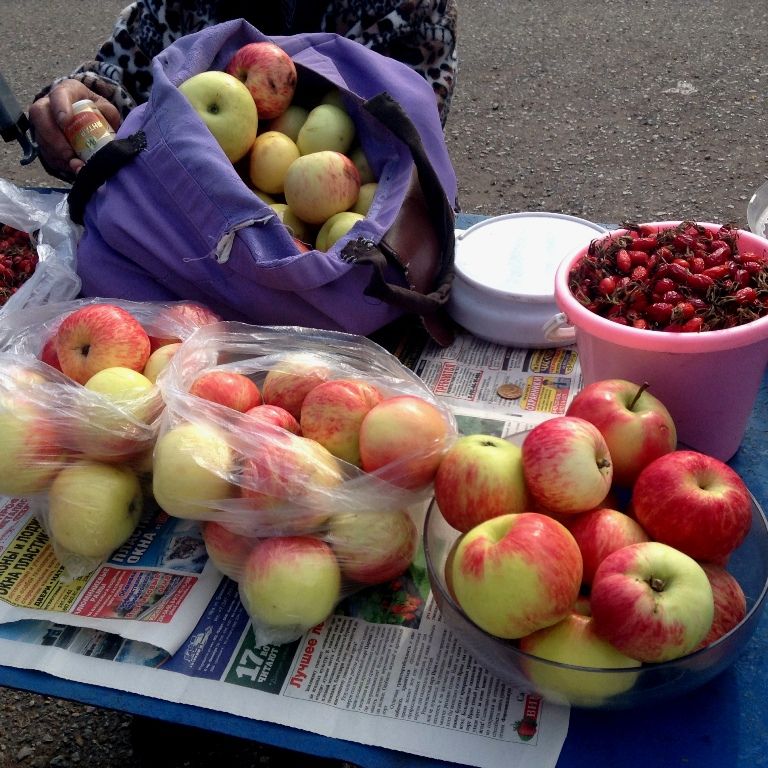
(18, 259)
(684, 278)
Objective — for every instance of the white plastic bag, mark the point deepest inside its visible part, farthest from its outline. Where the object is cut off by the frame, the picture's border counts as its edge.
(45, 216)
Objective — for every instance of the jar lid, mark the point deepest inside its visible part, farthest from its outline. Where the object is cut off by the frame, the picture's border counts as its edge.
(518, 253)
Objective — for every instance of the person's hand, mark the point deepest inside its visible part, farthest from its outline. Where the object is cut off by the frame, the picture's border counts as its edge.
(51, 113)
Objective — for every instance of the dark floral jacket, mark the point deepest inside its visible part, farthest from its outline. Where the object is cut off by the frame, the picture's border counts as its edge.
(420, 33)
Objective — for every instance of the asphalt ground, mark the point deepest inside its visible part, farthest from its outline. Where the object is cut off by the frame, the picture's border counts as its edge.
(631, 110)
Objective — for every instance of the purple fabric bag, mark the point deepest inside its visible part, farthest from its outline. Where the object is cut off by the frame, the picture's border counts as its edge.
(177, 222)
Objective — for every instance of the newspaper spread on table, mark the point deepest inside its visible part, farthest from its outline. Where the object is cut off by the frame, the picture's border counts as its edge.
(158, 620)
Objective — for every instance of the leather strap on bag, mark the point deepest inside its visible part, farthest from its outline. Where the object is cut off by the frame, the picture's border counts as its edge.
(421, 241)
(102, 166)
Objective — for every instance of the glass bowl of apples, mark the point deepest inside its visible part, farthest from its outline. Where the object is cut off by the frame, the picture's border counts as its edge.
(602, 684)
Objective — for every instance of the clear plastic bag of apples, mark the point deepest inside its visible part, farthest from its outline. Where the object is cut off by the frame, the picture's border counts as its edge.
(79, 415)
(308, 455)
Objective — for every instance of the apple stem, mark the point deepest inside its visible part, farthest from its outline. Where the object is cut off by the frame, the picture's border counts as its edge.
(640, 391)
(657, 584)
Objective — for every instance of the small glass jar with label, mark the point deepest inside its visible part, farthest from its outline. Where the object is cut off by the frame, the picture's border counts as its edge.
(88, 130)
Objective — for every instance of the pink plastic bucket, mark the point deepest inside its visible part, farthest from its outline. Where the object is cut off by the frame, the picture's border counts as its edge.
(709, 381)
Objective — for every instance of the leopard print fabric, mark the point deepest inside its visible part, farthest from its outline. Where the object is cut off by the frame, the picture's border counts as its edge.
(420, 33)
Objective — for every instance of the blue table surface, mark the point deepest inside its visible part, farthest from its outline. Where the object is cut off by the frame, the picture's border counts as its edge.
(722, 724)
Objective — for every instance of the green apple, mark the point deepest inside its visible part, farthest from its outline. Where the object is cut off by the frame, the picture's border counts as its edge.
(93, 508)
(191, 468)
(365, 198)
(226, 107)
(335, 228)
(358, 157)
(116, 425)
(327, 127)
(290, 121)
(573, 641)
(298, 228)
(159, 359)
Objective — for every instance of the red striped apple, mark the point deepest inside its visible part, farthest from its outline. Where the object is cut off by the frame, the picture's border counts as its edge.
(480, 477)
(178, 320)
(693, 502)
(730, 602)
(98, 336)
(651, 601)
(601, 531)
(373, 546)
(275, 415)
(227, 550)
(289, 484)
(567, 465)
(637, 426)
(332, 413)
(290, 583)
(268, 73)
(288, 381)
(403, 438)
(228, 388)
(515, 574)
(31, 451)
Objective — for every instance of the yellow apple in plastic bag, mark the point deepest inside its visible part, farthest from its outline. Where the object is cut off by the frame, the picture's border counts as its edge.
(93, 508)
(191, 467)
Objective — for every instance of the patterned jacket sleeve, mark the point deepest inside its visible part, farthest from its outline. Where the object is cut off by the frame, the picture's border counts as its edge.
(121, 70)
(420, 33)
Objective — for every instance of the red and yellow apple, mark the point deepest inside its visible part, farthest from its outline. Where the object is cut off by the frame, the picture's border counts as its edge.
(480, 477)
(574, 642)
(98, 336)
(403, 439)
(291, 378)
(227, 550)
(373, 546)
(637, 426)
(567, 465)
(517, 573)
(332, 413)
(228, 388)
(652, 602)
(321, 184)
(693, 502)
(290, 583)
(269, 75)
(601, 531)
